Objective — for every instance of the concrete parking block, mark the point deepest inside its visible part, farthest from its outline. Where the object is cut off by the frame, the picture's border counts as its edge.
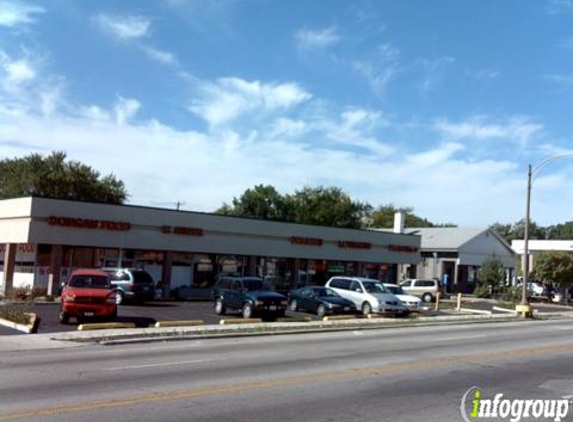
(105, 326)
(191, 323)
(239, 321)
(338, 317)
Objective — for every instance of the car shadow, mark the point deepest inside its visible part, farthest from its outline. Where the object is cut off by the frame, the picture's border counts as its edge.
(140, 322)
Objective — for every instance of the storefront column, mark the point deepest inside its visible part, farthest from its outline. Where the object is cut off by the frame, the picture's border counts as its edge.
(9, 264)
(360, 269)
(252, 260)
(166, 272)
(55, 269)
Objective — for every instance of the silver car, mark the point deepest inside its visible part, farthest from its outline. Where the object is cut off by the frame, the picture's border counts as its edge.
(368, 295)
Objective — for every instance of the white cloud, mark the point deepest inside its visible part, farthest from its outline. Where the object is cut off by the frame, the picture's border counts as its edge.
(229, 98)
(124, 27)
(380, 70)
(434, 72)
(555, 7)
(125, 110)
(16, 13)
(161, 56)
(563, 80)
(519, 129)
(316, 38)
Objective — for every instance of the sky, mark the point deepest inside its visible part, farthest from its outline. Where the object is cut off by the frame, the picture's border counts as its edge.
(436, 105)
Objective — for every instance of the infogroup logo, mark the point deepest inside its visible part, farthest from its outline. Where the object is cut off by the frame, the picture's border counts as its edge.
(474, 406)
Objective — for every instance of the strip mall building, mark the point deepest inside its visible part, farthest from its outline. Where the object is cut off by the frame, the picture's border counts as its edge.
(44, 239)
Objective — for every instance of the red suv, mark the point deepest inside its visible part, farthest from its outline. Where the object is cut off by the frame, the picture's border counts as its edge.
(88, 294)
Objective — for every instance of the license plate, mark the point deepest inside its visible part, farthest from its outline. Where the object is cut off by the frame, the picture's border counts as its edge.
(88, 314)
(272, 308)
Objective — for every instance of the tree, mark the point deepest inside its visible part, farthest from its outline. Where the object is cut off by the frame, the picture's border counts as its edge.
(554, 267)
(517, 230)
(490, 275)
(54, 177)
(327, 207)
(383, 217)
(263, 202)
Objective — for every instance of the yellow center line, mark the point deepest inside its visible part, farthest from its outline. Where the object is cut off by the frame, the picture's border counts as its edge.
(385, 369)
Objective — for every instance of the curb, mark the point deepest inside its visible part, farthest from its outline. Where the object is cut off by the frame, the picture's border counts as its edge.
(146, 335)
(105, 326)
(30, 328)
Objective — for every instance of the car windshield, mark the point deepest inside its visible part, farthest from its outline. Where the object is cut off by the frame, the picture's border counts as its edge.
(254, 284)
(374, 287)
(90, 282)
(325, 293)
(396, 290)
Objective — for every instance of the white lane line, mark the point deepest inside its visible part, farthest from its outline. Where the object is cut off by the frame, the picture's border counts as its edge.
(563, 328)
(155, 365)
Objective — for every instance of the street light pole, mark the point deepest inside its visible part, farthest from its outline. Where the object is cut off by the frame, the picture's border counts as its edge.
(524, 301)
(524, 308)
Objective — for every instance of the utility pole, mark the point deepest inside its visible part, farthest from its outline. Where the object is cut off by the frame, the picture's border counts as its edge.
(178, 204)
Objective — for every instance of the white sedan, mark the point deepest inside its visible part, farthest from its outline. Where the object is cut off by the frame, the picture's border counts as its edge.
(413, 303)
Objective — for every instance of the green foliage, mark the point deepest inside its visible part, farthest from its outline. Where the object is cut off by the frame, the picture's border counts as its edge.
(325, 206)
(482, 291)
(16, 312)
(54, 177)
(491, 275)
(517, 231)
(511, 294)
(262, 202)
(322, 206)
(554, 267)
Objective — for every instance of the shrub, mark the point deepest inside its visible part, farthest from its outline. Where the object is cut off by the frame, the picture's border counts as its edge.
(511, 294)
(18, 294)
(38, 292)
(16, 312)
(482, 291)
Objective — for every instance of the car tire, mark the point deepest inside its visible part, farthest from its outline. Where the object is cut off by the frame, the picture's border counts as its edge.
(366, 308)
(220, 307)
(119, 297)
(247, 311)
(293, 306)
(64, 318)
(321, 311)
(427, 298)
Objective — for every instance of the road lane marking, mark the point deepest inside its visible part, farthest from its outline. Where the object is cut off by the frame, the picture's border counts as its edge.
(161, 364)
(242, 387)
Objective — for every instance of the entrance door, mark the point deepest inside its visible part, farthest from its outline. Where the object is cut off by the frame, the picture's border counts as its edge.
(448, 272)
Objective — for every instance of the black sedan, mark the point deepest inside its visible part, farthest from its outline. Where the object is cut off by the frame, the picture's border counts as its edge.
(320, 300)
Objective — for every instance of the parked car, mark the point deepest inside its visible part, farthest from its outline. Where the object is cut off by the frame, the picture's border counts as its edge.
(249, 295)
(87, 294)
(412, 303)
(133, 284)
(425, 288)
(320, 300)
(368, 295)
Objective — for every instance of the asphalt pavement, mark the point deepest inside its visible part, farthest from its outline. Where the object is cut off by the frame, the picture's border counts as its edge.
(406, 374)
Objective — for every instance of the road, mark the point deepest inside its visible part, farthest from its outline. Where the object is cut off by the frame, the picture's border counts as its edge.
(404, 374)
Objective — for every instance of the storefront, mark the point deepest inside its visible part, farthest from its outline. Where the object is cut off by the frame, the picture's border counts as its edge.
(44, 239)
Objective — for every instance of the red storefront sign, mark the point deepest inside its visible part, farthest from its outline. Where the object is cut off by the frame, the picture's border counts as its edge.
(183, 231)
(312, 241)
(402, 249)
(354, 245)
(86, 223)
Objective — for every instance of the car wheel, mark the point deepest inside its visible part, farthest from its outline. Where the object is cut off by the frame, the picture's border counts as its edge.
(119, 297)
(366, 308)
(219, 307)
(293, 305)
(427, 297)
(321, 311)
(64, 317)
(247, 311)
